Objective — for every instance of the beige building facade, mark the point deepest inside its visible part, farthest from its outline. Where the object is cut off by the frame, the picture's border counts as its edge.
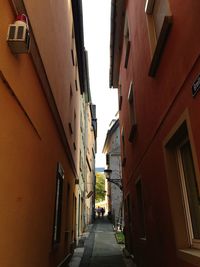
(90, 163)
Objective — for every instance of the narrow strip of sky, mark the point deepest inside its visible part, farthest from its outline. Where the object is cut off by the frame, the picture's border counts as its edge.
(96, 18)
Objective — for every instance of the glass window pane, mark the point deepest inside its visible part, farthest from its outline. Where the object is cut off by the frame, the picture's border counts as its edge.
(191, 186)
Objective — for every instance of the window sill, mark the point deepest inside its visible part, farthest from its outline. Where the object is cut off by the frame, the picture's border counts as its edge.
(190, 255)
(143, 239)
(132, 133)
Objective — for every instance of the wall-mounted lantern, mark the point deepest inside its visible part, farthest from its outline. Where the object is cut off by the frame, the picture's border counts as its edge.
(116, 180)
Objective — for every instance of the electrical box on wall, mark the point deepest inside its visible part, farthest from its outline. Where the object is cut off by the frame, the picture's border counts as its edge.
(18, 36)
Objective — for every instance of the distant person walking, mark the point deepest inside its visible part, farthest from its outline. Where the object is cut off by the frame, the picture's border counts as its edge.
(99, 211)
(102, 212)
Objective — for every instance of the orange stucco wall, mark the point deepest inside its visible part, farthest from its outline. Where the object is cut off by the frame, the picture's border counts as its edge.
(30, 149)
(52, 25)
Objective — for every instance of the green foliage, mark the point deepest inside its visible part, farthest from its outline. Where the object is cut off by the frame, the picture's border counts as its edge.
(100, 187)
(120, 237)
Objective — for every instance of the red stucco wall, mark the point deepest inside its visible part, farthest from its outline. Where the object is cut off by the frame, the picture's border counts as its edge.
(159, 103)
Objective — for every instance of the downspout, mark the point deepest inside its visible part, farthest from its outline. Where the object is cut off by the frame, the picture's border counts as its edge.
(112, 37)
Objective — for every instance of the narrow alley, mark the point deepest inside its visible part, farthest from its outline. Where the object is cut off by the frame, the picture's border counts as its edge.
(99, 133)
(99, 248)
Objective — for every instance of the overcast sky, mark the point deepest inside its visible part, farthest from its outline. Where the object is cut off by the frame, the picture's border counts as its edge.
(96, 16)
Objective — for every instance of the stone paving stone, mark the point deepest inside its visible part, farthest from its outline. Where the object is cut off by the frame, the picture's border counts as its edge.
(76, 259)
(100, 248)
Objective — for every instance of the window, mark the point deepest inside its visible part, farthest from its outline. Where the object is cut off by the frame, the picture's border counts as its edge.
(58, 204)
(73, 217)
(159, 22)
(129, 223)
(74, 143)
(70, 124)
(107, 159)
(184, 184)
(73, 34)
(126, 42)
(73, 46)
(132, 116)
(80, 161)
(120, 96)
(123, 148)
(67, 232)
(72, 56)
(129, 208)
(93, 153)
(71, 94)
(70, 128)
(76, 85)
(140, 209)
(190, 191)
